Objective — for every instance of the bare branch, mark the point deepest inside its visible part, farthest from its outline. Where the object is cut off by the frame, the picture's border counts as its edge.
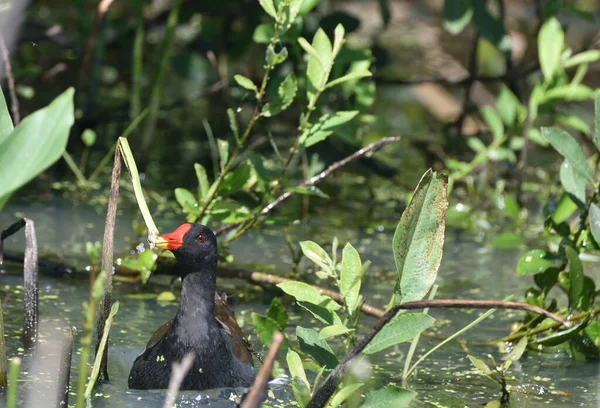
(178, 373)
(14, 101)
(257, 392)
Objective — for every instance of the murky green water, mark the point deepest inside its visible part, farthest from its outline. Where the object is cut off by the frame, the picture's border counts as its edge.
(469, 270)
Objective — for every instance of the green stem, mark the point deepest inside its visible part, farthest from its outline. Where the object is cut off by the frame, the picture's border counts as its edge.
(71, 163)
(137, 69)
(11, 394)
(100, 352)
(134, 124)
(86, 344)
(415, 341)
(157, 85)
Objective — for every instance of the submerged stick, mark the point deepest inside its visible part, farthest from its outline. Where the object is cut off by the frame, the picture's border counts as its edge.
(2, 351)
(257, 392)
(64, 373)
(107, 260)
(178, 373)
(30, 276)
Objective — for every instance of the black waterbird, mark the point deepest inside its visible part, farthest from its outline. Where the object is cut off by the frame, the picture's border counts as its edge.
(203, 324)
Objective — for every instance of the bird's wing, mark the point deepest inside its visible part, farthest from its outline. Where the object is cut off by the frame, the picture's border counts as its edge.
(158, 334)
(240, 345)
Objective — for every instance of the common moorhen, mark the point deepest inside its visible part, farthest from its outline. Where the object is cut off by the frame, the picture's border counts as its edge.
(203, 324)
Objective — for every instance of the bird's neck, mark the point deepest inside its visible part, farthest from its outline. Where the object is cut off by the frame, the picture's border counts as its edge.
(198, 296)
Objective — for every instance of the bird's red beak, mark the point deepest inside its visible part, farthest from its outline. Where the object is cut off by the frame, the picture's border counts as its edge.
(173, 240)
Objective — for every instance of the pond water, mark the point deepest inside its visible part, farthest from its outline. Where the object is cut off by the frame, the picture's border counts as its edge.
(469, 270)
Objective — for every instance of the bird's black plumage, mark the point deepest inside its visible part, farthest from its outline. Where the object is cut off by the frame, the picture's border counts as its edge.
(203, 324)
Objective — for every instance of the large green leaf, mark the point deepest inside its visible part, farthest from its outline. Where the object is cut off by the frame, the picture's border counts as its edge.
(388, 396)
(36, 143)
(419, 239)
(551, 40)
(350, 277)
(534, 261)
(306, 293)
(573, 181)
(457, 14)
(402, 328)
(319, 65)
(6, 123)
(317, 349)
(595, 222)
(568, 147)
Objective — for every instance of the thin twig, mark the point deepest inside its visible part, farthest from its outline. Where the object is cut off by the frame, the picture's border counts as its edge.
(178, 373)
(317, 178)
(10, 79)
(101, 11)
(257, 392)
(107, 260)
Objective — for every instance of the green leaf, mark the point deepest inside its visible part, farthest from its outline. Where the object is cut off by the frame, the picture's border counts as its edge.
(285, 96)
(301, 391)
(595, 222)
(350, 278)
(88, 137)
(585, 57)
(317, 349)
(278, 313)
(343, 394)
(306, 293)
(509, 106)
(315, 253)
(186, 200)
(338, 39)
(166, 296)
(6, 123)
(264, 327)
(419, 239)
(475, 144)
(560, 337)
(573, 181)
(490, 28)
(236, 179)
(481, 366)
(333, 331)
(571, 92)
(319, 64)
(570, 149)
(534, 261)
(551, 41)
(325, 127)
(233, 124)
(35, 144)
(143, 263)
(507, 240)
(263, 34)
(457, 14)
(262, 176)
(566, 207)
(245, 83)
(403, 327)
(388, 396)
(269, 7)
(575, 277)
(286, 14)
(203, 184)
(494, 121)
(295, 367)
(321, 313)
(308, 190)
(223, 146)
(273, 58)
(516, 353)
(574, 122)
(352, 76)
(227, 211)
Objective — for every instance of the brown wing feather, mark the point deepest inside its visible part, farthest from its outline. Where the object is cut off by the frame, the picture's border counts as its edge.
(241, 346)
(158, 334)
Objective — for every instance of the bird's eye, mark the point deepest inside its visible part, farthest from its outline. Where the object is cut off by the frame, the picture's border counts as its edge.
(201, 238)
